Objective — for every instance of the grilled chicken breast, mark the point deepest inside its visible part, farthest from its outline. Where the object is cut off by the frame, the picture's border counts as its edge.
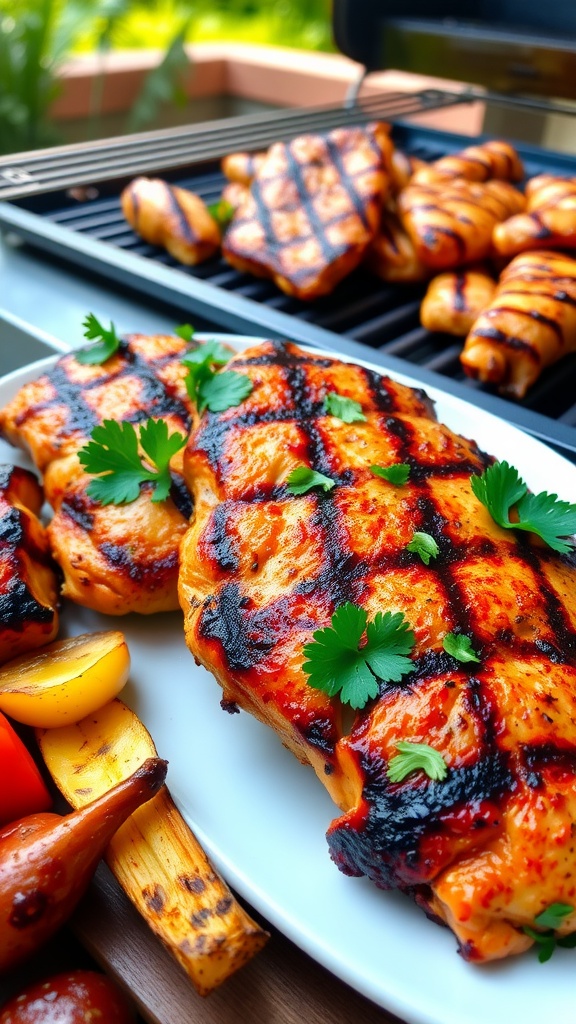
(173, 218)
(549, 221)
(490, 846)
(115, 559)
(492, 159)
(530, 323)
(451, 223)
(312, 210)
(454, 300)
(28, 579)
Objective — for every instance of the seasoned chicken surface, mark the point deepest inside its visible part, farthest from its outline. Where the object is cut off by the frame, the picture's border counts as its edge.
(490, 846)
(171, 217)
(451, 223)
(454, 300)
(115, 559)
(492, 159)
(530, 323)
(549, 221)
(392, 254)
(242, 167)
(312, 210)
(28, 580)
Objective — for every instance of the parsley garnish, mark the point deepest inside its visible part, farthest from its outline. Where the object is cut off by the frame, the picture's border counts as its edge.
(550, 919)
(459, 646)
(222, 212)
(338, 665)
(500, 488)
(413, 757)
(185, 331)
(108, 343)
(113, 452)
(424, 545)
(211, 352)
(396, 474)
(209, 389)
(303, 479)
(345, 409)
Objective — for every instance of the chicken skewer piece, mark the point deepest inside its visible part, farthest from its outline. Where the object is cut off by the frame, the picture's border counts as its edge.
(454, 300)
(549, 221)
(492, 159)
(171, 217)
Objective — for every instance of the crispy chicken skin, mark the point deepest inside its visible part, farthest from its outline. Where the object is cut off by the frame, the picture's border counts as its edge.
(312, 210)
(115, 559)
(530, 323)
(454, 300)
(171, 217)
(492, 159)
(490, 846)
(28, 579)
(451, 223)
(549, 221)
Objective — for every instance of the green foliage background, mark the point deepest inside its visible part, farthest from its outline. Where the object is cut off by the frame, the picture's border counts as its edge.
(36, 36)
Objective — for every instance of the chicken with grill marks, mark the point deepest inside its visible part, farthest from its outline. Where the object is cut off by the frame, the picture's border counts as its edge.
(530, 323)
(392, 255)
(115, 559)
(451, 223)
(28, 578)
(454, 300)
(549, 221)
(490, 846)
(241, 168)
(492, 159)
(312, 210)
(171, 217)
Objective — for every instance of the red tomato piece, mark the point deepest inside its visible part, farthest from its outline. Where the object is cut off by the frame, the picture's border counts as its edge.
(73, 997)
(22, 788)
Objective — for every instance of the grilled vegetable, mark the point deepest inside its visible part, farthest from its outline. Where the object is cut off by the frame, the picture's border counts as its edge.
(66, 680)
(47, 861)
(22, 791)
(73, 997)
(155, 857)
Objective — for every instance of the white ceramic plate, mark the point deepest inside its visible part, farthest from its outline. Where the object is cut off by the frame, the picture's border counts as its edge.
(263, 817)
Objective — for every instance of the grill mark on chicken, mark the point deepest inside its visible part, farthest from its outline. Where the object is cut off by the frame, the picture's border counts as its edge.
(534, 314)
(507, 340)
(218, 539)
(429, 236)
(119, 556)
(75, 507)
(398, 817)
(186, 227)
(348, 180)
(19, 607)
(329, 251)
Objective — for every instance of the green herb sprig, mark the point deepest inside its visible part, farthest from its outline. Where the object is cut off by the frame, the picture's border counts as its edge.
(338, 665)
(412, 757)
(303, 479)
(424, 545)
(209, 389)
(460, 647)
(113, 456)
(501, 489)
(345, 409)
(550, 919)
(107, 344)
(396, 474)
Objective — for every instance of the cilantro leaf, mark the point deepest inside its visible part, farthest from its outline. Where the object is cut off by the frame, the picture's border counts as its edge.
(220, 391)
(500, 488)
(396, 474)
(413, 757)
(108, 343)
(345, 409)
(337, 664)
(185, 331)
(210, 352)
(460, 647)
(222, 212)
(553, 916)
(545, 941)
(303, 479)
(114, 458)
(424, 545)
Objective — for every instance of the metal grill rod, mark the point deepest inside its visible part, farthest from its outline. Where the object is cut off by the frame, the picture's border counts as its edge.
(66, 166)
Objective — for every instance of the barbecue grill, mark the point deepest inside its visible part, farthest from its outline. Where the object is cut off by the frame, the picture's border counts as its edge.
(66, 200)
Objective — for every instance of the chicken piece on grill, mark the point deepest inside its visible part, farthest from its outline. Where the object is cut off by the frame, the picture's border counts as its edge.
(492, 159)
(451, 223)
(234, 194)
(402, 169)
(454, 300)
(530, 323)
(242, 167)
(312, 210)
(173, 218)
(490, 846)
(392, 255)
(549, 221)
(115, 559)
(28, 580)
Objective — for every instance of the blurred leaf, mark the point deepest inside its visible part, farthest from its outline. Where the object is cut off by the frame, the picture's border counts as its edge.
(164, 84)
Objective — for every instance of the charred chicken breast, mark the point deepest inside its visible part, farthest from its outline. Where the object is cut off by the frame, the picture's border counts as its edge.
(115, 559)
(262, 568)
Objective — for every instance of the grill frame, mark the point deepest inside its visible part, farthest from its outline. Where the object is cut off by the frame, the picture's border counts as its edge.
(246, 305)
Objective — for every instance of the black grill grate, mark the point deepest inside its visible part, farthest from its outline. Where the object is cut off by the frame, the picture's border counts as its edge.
(381, 318)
